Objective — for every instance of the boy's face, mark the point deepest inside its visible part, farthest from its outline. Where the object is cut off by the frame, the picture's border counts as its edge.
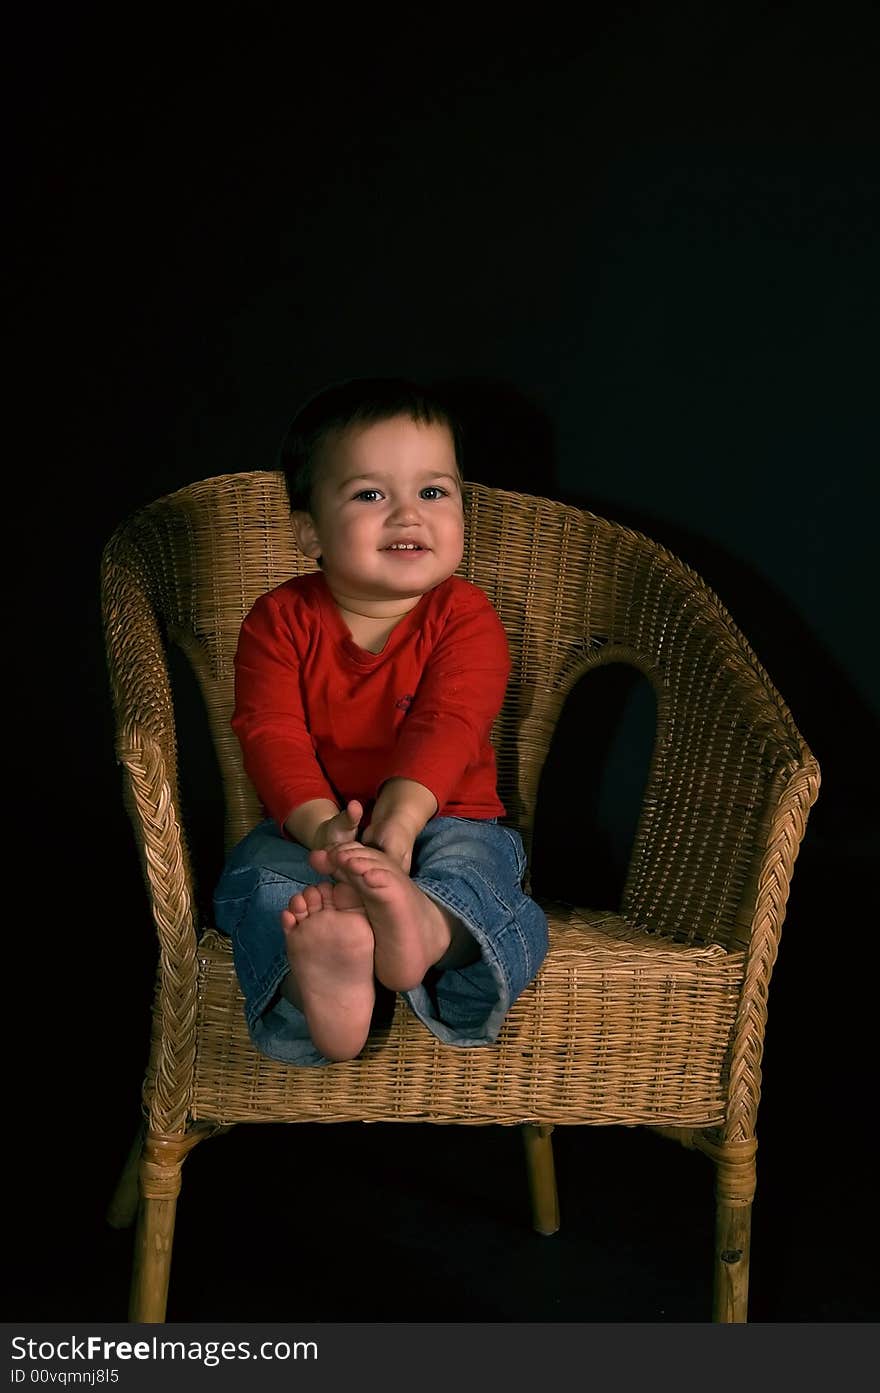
(380, 487)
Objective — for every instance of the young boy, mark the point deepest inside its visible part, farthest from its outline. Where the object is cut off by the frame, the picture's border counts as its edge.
(364, 697)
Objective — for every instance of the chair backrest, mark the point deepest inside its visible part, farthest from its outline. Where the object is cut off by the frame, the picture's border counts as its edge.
(574, 591)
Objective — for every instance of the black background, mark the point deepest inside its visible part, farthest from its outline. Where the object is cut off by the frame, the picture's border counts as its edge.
(644, 255)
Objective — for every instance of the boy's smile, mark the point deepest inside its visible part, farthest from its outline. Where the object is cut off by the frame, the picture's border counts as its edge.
(387, 517)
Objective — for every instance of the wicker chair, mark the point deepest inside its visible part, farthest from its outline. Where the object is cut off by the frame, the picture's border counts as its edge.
(653, 1016)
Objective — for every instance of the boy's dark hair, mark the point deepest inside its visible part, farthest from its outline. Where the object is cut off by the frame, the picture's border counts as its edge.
(361, 401)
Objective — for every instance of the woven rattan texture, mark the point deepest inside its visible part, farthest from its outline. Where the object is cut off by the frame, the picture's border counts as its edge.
(729, 790)
(617, 1028)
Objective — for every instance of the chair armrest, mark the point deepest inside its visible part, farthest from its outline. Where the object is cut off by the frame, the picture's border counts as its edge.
(784, 835)
(146, 749)
(726, 756)
(725, 810)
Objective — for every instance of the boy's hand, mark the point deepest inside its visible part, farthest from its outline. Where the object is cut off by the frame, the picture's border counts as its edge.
(401, 811)
(393, 834)
(339, 829)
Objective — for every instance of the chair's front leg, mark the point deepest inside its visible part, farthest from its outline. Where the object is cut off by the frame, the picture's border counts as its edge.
(735, 1176)
(161, 1162)
(152, 1260)
(733, 1226)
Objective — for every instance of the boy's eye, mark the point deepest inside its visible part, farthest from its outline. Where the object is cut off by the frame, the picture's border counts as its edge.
(430, 491)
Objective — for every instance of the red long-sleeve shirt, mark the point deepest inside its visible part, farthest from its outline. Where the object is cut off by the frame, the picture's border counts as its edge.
(317, 716)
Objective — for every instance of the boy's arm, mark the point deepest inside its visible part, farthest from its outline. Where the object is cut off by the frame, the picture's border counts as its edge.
(447, 727)
(270, 723)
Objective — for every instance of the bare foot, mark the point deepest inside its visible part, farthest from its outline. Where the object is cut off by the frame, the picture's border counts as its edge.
(411, 931)
(330, 951)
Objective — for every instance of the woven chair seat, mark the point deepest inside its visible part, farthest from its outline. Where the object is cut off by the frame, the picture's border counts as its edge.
(620, 1026)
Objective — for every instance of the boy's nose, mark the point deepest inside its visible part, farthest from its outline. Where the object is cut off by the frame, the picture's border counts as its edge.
(405, 511)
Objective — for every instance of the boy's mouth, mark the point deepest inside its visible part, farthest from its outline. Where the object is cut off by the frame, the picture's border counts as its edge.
(404, 546)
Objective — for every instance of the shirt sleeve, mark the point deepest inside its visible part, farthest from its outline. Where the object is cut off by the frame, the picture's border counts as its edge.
(269, 718)
(447, 728)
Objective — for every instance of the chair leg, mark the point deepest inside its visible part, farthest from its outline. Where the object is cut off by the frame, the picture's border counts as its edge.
(735, 1177)
(123, 1205)
(161, 1162)
(733, 1226)
(152, 1261)
(542, 1177)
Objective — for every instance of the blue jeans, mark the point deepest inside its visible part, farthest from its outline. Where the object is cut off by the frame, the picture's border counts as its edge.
(473, 868)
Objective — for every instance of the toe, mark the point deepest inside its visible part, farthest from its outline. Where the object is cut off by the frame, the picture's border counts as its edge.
(376, 877)
(325, 890)
(312, 898)
(354, 860)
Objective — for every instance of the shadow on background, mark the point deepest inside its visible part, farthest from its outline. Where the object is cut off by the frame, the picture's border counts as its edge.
(508, 438)
(511, 444)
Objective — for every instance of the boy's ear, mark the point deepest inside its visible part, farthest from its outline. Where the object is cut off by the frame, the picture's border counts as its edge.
(306, 534)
